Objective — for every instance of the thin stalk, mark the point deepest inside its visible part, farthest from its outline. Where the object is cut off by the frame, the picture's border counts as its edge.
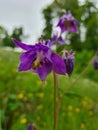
(56, 101)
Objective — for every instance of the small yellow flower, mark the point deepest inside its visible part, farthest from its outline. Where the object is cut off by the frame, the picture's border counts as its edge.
(90, 113)
(20, 96)
(69, 107)
(84, 103)
(23, 121)
(77, 110)
(82, 125)
(41, 95)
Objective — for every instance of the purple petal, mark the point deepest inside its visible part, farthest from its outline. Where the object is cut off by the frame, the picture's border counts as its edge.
(23, 45)
(58, 64)
(61, 40)
(73, 27)
(43, 70)
(26, 59)
(31, 127)
(95, 64)
(69, 62)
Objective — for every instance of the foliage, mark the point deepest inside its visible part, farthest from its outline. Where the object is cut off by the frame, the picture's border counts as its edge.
(6, 38)
(24, 99)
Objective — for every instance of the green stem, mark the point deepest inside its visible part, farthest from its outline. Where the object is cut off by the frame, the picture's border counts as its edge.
(56, 101)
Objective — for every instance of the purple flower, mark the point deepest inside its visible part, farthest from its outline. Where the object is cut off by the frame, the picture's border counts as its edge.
(68, 57)
(95, 64)
(31, 127)
(68, 23)
(39, 59)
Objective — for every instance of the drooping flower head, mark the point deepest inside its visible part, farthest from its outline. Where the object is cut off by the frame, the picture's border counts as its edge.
(39, 59)
(31, 127)
(95, 61)
(68, 23)
(95, 64)
(68, 57)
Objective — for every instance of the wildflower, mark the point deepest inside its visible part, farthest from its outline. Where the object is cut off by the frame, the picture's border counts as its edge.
(77, 110)
(68, 57)
(90, 113)
(68, 23)
(23, 121)
(39, 59)
(82, 125)
(31, 127)
(84, 103)
(95, 64)
(20, 96)
(70, 108)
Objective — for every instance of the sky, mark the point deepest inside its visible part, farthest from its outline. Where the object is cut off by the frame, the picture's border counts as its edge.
(25, 13)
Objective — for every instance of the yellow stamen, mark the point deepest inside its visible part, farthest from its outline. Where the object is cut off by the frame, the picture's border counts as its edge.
(36, 64)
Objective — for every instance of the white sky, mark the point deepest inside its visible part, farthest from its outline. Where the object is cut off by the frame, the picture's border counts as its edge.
(25, 13)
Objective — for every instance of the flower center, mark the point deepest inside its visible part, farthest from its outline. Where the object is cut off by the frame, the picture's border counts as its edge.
(36, 64)
(67, 24)
(38, 60)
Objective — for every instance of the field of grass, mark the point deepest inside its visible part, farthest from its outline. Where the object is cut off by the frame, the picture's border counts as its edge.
(25, 99)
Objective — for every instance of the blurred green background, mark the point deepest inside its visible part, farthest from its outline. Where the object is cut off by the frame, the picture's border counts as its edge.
(25, 99)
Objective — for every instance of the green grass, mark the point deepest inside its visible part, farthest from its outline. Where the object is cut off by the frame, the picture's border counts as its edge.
(24, 99)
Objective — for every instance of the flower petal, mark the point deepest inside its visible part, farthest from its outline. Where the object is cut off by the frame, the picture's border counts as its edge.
(58, 64)
(23, 45)
(69, 65)
(26, 59)
(43, 71)
(61, 40)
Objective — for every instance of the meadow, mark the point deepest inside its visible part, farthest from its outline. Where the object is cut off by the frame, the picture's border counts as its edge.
(25, 99)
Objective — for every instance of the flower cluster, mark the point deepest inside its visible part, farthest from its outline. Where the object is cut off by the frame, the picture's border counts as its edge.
(40, 59)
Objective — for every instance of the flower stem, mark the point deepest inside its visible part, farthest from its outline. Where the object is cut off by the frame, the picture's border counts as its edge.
(56, 101)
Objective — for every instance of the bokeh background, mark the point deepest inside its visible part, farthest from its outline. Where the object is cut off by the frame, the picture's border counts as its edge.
(24, 98)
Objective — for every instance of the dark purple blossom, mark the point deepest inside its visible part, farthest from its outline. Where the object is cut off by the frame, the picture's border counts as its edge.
(31, 127)
(95, 64)
(68, 57)
(39, 59)
(68, 23)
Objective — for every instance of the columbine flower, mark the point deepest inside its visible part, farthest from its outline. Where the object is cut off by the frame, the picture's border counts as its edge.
(95, 64)
(68, 23)
(31, 127)
(39, 59)
(68, 57)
